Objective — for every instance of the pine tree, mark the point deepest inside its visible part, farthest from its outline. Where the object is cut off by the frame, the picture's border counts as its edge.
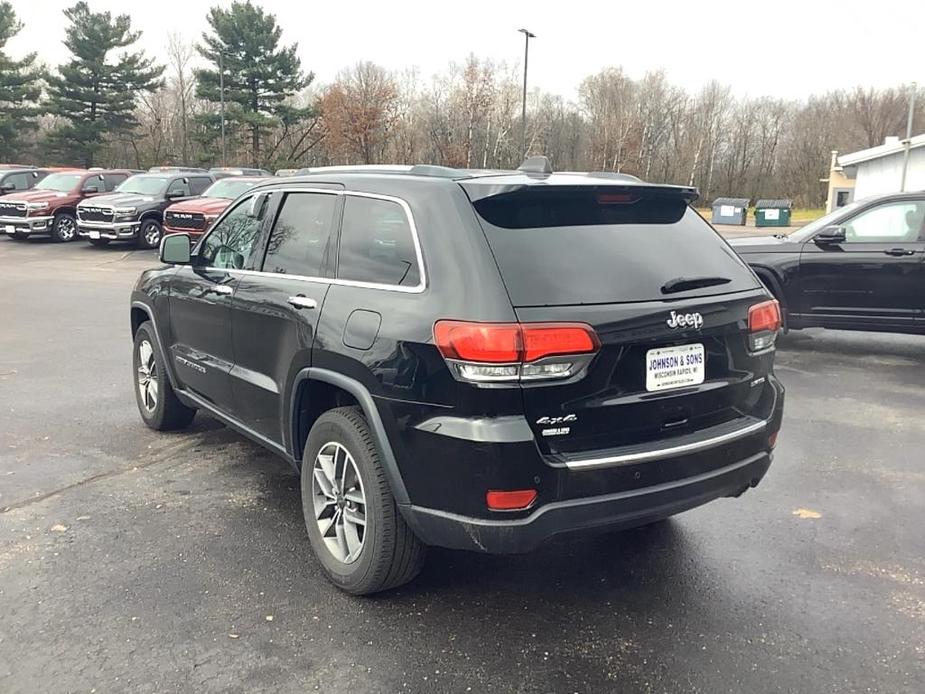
(20, 89)
(94, 92)
(260, 77)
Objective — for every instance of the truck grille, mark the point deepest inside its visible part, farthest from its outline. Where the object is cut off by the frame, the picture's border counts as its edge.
(12, 209)
(193, 221)
(92, 213)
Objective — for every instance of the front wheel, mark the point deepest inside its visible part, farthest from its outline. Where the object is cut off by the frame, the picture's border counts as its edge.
(149, 236)
(157, 403)
(64, 228)
(354, 525)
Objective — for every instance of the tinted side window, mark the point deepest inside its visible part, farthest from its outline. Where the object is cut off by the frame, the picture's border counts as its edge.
(94, 182)
(890, 223)
(231, 241)
(376, 243)
(113, 180)
(17, 182)
(198, 185)
(179, 186)
(300, 236)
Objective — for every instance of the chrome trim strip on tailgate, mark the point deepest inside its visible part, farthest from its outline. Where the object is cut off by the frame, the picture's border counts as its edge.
(642, 456)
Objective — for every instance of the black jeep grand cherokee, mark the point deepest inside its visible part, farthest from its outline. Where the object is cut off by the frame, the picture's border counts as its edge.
(473, 360)
(135, 210)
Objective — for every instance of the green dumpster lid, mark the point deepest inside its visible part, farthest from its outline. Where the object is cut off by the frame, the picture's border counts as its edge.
(735, 202)
(774, 204)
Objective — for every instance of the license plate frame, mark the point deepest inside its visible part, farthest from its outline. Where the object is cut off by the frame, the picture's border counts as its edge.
(678, 366)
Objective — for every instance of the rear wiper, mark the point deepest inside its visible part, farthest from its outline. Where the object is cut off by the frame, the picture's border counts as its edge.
(682, 284)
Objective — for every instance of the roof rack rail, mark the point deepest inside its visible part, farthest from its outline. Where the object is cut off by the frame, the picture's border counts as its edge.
(438, 171)
(536, 165)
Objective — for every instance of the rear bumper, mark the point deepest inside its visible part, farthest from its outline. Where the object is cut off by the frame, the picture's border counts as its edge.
(612, 511)
(26, 225)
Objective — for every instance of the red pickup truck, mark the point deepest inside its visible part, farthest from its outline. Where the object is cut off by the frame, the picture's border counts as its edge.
(194, 217)
(50, 207)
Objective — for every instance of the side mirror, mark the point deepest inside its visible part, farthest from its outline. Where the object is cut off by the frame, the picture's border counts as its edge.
(830, 236)
(255, 206)
(175, 249)
(174, 194)
(91, 189)
(7, 187)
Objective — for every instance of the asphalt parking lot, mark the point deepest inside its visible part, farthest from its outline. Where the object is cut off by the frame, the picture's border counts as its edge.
(143, 562)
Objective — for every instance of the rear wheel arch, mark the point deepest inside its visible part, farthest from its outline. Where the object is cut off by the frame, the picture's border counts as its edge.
(316, 391)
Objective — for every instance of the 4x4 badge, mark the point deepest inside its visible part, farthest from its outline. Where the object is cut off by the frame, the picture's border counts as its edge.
(685, 320)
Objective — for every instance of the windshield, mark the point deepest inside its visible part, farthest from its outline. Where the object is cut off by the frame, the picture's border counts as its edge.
(229, 188)
(824, 221)
(144, 185)
(60, 182)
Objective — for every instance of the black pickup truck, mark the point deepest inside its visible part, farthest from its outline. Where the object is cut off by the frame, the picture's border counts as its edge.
(135, 210)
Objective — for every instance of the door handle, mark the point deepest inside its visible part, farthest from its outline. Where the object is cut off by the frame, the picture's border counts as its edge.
(221, 289)
(302, 302)
(899, 251)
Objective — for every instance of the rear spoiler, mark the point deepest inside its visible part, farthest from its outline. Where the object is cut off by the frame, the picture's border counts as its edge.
(488, 187)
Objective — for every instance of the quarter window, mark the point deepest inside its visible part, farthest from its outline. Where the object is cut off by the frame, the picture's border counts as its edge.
(376, 244)
(300, 236)
(890, 223)
(231, 241)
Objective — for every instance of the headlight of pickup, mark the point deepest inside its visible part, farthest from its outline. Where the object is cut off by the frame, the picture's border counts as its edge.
(36, 206)
(124, 211)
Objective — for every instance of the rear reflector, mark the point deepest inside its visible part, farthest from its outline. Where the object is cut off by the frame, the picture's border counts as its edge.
(772, 440)
(510, 501)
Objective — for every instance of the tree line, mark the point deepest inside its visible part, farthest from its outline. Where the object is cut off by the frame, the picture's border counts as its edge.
(109, 104)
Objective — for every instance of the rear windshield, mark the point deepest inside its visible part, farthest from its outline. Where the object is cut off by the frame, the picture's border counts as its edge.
(591, 247)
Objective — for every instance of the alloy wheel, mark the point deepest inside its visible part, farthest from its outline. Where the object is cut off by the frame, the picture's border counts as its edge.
(339, 502)
(152, 235)
(147, 376)
(66, 229)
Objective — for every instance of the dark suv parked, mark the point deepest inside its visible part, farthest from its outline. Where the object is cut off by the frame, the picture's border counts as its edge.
(478, 361)
(861, 267)
(135, 211)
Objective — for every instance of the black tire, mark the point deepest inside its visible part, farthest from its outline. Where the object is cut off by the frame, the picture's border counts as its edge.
(150, 234)
(390, 555)
(64, 228)
(165, 412)
(99, 243)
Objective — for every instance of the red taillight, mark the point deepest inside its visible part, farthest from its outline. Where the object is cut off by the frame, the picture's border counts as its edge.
(508, 343)
(504, 352)
(510, 501)
(764, 316)
(772, 440)
(487, 343)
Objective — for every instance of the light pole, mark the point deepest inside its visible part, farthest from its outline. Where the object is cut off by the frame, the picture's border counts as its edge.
(221, 88)
(908, 141)
(523, 113)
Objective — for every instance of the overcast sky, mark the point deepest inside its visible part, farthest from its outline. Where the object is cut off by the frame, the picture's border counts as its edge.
(785, 48)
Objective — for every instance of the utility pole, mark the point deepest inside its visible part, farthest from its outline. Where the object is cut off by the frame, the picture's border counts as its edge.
(523, 114)
(221, 88)
(908, 141)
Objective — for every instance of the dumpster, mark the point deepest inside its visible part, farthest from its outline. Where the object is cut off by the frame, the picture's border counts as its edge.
(773, 213)
(730, 211)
